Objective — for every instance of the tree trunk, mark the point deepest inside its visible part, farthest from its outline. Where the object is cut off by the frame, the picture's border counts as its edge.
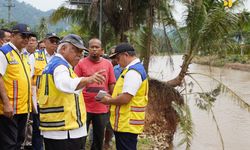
(149, 23)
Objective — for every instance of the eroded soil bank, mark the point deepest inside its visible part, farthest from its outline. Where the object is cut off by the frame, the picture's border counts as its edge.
(215, 61)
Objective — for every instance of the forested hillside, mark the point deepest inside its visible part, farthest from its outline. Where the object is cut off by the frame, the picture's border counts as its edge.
(25, 13)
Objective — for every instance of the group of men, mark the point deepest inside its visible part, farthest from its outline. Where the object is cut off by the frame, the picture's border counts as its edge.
(55, 76)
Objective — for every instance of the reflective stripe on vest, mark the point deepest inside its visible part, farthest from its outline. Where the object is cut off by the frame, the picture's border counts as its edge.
(15, 96)
(136, 122)
(51, 110)
(117, 117)
(137, 109)
(53, 124)
(78, 113)
(47, 85)
(38, 79)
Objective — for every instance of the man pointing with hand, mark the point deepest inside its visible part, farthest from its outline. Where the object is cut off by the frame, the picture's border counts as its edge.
(62, 108)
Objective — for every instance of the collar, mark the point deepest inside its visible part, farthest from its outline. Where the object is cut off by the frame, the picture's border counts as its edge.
(133, 62)
(59, 55)
(14, 47)
(24, 51)
(47, 54)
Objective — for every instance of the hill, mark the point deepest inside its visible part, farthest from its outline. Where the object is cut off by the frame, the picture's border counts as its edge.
(25, 13)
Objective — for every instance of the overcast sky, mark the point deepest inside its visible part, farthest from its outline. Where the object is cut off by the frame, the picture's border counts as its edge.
(45, 5)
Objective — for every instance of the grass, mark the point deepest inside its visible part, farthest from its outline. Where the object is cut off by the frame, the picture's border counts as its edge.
(144, 144)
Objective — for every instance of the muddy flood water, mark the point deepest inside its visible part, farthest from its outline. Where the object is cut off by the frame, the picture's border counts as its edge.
(233, 121)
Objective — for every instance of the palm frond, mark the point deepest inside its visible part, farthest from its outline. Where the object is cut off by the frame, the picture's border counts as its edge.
(206, 101)
(185, 123)
(72, 14)
(218, 24)
(218, 129)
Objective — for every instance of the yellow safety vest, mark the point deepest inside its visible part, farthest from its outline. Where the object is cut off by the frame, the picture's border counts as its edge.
(59, 110)
(228, 3)
(40, 63)
(17, 81)
(130, 117)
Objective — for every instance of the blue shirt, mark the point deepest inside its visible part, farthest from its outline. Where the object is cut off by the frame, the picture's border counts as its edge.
(118, 71)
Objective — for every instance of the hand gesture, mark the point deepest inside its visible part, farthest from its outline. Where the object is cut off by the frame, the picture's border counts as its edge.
(97, 77)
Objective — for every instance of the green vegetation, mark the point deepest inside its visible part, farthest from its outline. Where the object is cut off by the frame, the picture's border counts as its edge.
(220, 62)
(25, 13)
(237, 58)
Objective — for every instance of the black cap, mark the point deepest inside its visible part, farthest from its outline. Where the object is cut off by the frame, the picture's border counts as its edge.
(123, 47)
(21, 28)
(74, 40)
(51, 35)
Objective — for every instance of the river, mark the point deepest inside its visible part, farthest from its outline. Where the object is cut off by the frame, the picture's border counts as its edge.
(233, 121)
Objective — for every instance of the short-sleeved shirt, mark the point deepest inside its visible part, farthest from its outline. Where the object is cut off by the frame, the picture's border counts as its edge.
(132, 80)
(86, 68)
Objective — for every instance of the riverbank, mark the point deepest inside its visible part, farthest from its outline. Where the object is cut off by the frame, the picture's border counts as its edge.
(207, 136)
(215, 61)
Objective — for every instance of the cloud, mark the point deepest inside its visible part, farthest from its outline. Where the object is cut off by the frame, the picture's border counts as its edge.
(43, 4)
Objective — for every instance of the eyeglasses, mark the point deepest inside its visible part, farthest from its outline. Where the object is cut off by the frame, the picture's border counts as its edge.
(53, 41)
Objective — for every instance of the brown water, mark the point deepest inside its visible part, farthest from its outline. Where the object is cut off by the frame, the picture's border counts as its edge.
(234, 122)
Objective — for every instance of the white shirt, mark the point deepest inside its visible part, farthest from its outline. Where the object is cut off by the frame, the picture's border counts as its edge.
(32, 64)
(3, 63)
(48, 56)
(33, 88)
(3, 60)
(65, 83)
(132, 80)
(31, 61)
